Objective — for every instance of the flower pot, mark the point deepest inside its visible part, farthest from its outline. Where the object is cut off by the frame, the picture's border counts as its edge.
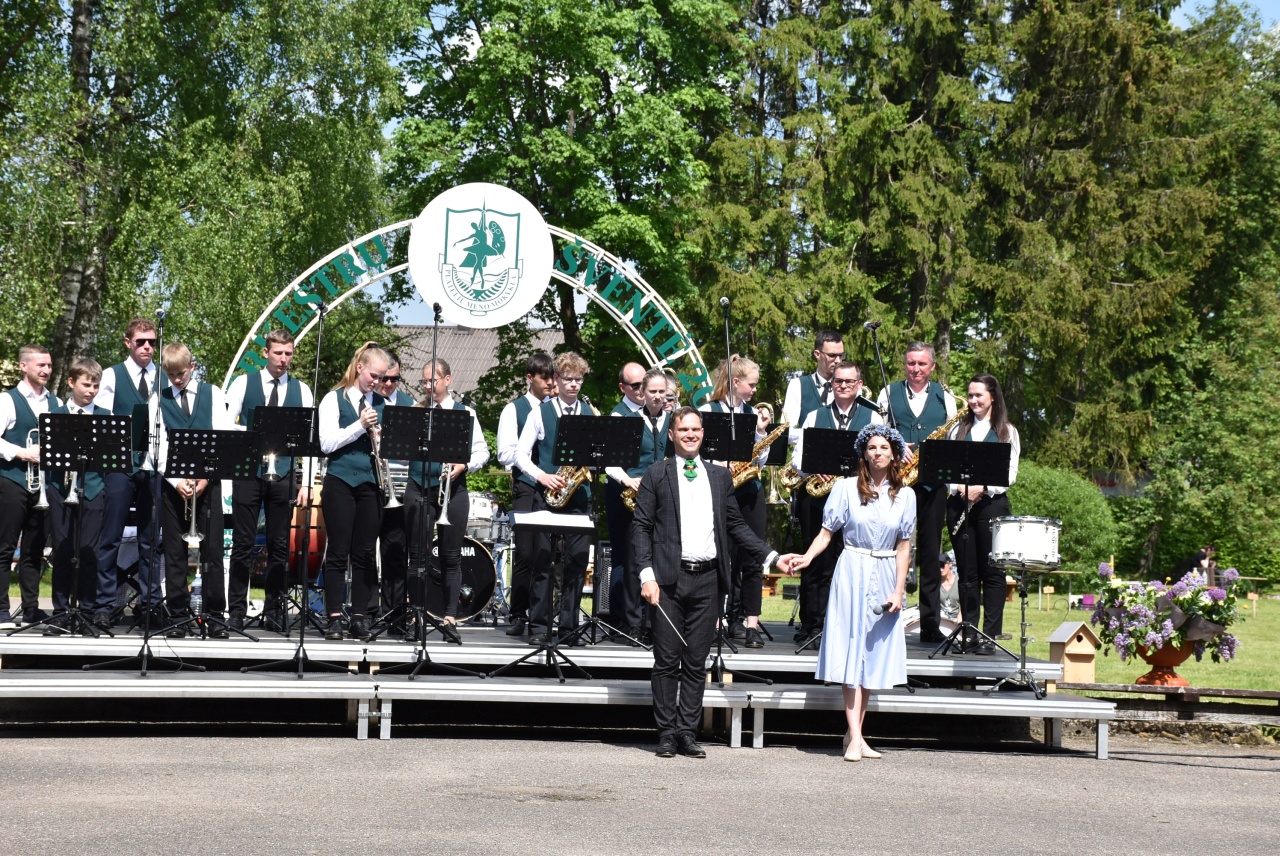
(1163, 662)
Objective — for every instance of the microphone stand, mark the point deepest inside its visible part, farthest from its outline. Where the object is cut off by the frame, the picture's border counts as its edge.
(144, 653)
(884, 377)
(728, 353)
(299, 661)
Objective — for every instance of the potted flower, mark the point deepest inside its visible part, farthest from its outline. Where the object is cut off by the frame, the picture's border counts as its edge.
(1165, 624)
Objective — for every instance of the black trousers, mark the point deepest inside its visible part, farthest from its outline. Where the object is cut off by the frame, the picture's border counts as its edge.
(815, 580)
(626, 609)
(748, 575)
(980, 583)
(176, 524)
(931, 506)
(542, 588)
(523, 498)
(394, 558)
(122, 491)
(680, 670)
(67, 548)
(352, 516)
(20, 520)
(420, 518)
(275, 500)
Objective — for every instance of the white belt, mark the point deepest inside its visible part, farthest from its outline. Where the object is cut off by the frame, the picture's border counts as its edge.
(875, 554)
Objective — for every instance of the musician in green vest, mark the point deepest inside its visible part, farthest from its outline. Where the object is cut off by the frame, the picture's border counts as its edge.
(918, 406)
(617, 517)
(534, 456)
(273, 494)
(842, 414)
(807, 393)
(349, 417)
(393, 557)
(128, 389)
(83, 380)
(539, 375)
(191, 405)
(971, 508)
(628, 609)
(20, 519)
(423, 506)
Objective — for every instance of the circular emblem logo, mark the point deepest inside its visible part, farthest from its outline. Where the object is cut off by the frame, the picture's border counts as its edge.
(481, 251)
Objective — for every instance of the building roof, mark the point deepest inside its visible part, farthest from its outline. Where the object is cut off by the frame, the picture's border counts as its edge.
(470, 352)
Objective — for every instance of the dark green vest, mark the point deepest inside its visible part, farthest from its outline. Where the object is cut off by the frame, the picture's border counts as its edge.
(92, 484)
(428, 475)
(544, 449)
(353, 463)
(826, 418)
(752, 486)
(253, 399)
(24, 421)
(652, 448)
(914, 428)
(523, 409)
(126, 402)
(810, 400)
(201, 418)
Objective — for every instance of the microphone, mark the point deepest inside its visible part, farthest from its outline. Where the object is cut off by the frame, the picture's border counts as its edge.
(159, 314)
(435, 307)
(879, 610)
(863, 401)
(871, 326)
(724, 303)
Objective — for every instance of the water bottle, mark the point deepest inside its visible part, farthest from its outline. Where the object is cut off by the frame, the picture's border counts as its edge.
(197, 596)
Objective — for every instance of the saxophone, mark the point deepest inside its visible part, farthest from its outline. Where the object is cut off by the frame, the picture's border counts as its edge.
(574, 477)
(911, 471)
(790, 477)
(745, 471)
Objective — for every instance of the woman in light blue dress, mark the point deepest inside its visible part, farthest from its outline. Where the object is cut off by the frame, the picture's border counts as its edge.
(875, 514)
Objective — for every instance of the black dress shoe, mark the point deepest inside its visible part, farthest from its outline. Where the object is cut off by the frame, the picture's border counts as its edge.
(537, 639)
(359, 628)
(449, 632)
(34, 616)
(102, 620)
(689, 747)
(177, 631)
(578, 641)
(333, 631)
(802, 635)
(754, 639)
(932, 637)
(986, 648)
(518, 627)
(667, 746)
(236, 621)
(217, 631)
(58, 625)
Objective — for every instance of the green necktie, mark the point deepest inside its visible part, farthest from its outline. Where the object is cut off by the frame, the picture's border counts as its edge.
(690, 469)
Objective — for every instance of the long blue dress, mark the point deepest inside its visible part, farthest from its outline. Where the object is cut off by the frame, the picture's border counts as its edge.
(860, 648)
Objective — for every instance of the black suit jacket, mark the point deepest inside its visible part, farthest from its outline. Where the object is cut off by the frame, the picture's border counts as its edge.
(656, 532)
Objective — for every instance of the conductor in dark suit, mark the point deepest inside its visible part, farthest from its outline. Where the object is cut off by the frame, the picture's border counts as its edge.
(686, 521)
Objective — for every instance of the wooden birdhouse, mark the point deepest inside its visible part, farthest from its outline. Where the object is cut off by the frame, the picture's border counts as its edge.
(1075, 646)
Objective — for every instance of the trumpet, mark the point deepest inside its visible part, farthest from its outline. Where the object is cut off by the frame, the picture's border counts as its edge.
(446, 485)
(193, 537)
(269, 467)
(35, 475)
(73, 489)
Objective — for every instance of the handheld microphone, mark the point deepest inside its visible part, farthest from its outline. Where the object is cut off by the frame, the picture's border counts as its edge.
(863, 401)
(880, 610)
(871, 326)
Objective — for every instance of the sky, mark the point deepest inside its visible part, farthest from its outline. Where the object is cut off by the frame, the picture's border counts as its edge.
(417, 312)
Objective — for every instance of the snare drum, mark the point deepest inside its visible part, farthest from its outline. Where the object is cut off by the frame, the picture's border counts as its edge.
(1025, 542)
(479, 578)
(480, 516)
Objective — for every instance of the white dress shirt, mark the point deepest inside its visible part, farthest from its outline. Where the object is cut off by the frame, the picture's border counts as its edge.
(697, 522)
(534, 431)
(333, 437)
(508, 437)
(619, 474)
(235, 405)
(791, 401)
(981, 428)
(220, 418)
(915, 400)
(106, 397)
(811, 421)
(38, 402)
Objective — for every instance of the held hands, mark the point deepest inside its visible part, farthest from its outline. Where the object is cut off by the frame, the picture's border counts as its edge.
(789, 563)
(649, 591)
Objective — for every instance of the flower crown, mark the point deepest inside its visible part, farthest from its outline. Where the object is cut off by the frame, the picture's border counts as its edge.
(896, 442)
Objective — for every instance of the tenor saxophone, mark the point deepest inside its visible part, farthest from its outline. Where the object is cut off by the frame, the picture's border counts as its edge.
(745, 471)
(574, 477)
(911, 471)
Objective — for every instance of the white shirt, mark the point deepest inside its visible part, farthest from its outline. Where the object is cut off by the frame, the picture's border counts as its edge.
(220, 418)
(981, 428)
(38, 402)
(618, 474)
(106, 397)
(811, 421)
(697, 522)
(508, 437)
(235, 405)
(915, 400)
(479, 448)
(534, 431)
(333, 437)
(791, 402)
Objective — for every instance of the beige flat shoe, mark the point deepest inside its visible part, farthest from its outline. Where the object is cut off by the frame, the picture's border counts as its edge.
(853, 755)
(868, 752)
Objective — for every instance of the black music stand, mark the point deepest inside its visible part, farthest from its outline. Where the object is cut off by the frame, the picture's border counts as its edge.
(425, 435)
(720, 443)
(944, 462)
(547, 523)
(828, 452)
(596, 442)
(291, 432)
(77, 444)
(211, 455)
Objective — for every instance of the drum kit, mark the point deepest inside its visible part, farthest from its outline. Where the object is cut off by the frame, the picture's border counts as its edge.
(1025, 545)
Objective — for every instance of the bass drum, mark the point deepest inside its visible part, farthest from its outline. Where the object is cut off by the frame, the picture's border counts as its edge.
(479, 579)
(315, 549)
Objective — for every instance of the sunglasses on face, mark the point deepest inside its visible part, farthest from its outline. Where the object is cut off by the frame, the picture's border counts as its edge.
(138, 343)
(633, 386)
(391, 378)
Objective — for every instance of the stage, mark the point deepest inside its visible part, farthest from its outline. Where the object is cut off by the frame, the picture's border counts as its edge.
(35, 666)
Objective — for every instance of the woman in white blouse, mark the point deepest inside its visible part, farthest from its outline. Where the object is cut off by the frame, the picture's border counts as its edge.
(971, 508)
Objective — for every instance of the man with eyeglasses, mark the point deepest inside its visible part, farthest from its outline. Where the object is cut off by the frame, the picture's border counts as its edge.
(842, 414)
(539, 374)
(129, 388)
(273, 494)
(631, 385)
(534, 452)
(919, 406)
(807, 393)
